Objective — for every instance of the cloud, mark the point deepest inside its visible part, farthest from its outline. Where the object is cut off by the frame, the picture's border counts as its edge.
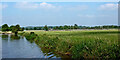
(28, 5)
(93, 16)
(109, 6)
(46, 5)
(2, 6)
(87, 16)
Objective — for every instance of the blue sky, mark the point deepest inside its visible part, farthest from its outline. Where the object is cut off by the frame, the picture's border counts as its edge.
(60, 13)
(60, 0)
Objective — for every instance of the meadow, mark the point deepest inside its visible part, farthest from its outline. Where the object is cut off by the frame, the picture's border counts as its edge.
(78, 44)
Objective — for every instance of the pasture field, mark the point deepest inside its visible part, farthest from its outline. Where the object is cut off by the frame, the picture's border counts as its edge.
(78, 44)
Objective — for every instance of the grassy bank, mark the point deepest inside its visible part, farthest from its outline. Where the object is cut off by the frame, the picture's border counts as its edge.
(0, 32)
(78, 44)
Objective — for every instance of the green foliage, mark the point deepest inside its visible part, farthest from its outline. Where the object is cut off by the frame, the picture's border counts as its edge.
(12, 28)
(79, 44)
(29, 36)
(14, 37)
(46, 28)
(22, 29)
(5, 27)
(65, 27)
(76, 26)
(18, 27)
(69, 27)
(35, 28)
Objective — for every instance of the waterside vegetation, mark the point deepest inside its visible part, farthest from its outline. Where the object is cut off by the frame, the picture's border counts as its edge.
(73, 43)
(78, 44)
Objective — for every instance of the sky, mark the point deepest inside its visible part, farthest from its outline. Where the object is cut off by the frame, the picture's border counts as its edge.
(59, 13)
(60, 0)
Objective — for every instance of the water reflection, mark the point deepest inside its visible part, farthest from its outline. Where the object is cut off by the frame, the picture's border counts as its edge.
(4, 37)
(50, 53)
(19, 47)
(15, 37)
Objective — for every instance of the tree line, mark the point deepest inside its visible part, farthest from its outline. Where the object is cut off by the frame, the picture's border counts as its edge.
(69, 27)
(17, 27)
(12, 28)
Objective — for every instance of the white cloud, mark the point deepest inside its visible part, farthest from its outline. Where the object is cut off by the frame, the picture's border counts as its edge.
(2, 6)
(87, 16)
(46, 5)
(109, 6)
(28, 5)
(92, 16)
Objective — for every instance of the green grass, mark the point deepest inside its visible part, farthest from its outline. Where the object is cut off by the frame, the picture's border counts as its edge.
(0, 32)
(79, 44)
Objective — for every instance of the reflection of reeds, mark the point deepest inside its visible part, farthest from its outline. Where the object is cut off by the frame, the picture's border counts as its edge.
(79, 44)
(15, 37)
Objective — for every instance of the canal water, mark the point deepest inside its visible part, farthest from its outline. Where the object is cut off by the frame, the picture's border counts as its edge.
(20, 47)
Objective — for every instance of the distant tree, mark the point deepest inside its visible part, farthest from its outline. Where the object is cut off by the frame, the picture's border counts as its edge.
(11, 27)
(35, 28)
(26, 28)
(61, 27)
(18, 26)
(65, 27)
(72, 27)
(5, 27)
(54, 28)
(76, 26)
(15, 29)
(40, 28)
(22, 29)
(45, 28)
(57, 27)
(69, 27)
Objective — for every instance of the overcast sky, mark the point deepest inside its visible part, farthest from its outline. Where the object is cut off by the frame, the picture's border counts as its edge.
(60, 13)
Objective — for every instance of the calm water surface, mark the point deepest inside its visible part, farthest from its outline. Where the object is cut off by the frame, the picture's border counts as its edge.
(19, 47)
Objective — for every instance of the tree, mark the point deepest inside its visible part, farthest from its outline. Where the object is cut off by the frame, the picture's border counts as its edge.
(46, 28)
(5, 27)
(61, 27)
(18, 27)
(15, 29)
(35, 28)
(11, 27)
(26, 28)
(76, 26)
(57, 27)
(22, 29)
(65, 27)
(69, 27)
(54, 28)
(72, 27)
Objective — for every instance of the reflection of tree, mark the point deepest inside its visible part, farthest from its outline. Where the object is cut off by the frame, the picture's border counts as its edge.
(16, 37)
(4, 37)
